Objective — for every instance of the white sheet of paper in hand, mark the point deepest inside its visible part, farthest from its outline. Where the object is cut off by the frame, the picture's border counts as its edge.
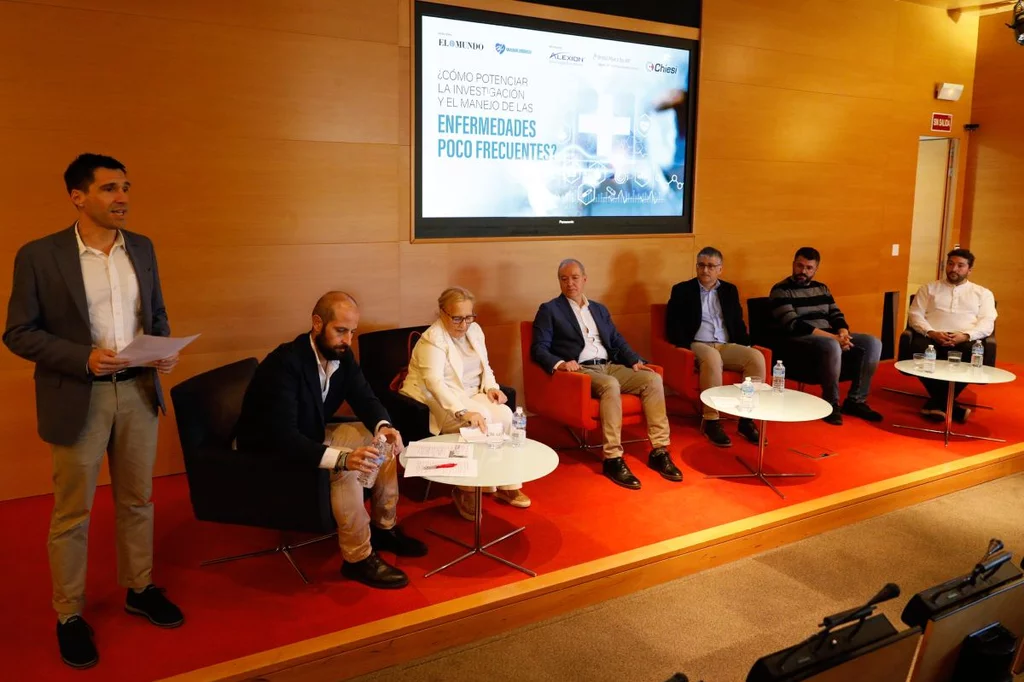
(456, 468)
(472, 435)
(145, 349)
(419, 450)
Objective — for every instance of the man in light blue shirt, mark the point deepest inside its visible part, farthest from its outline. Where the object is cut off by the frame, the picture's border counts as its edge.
(704, 315)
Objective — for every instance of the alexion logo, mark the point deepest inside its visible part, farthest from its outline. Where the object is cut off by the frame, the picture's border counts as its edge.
(565, 57)
(655, 67)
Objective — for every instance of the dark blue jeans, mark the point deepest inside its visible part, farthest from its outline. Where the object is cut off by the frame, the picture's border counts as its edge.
(828, 356)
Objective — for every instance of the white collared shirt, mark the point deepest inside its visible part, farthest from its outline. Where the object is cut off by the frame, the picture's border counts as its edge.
(593, 349)
(968, 308)
(712, 321)
(326, 369)
(112, 294)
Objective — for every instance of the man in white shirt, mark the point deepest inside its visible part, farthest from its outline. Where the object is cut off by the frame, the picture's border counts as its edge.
(574, 334)
(950, 314)
(79, 297)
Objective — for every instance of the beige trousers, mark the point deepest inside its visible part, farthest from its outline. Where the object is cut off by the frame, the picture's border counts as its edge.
(121, 422)
(607, 383)
(493, 413)
(347, 496)
(712, 358)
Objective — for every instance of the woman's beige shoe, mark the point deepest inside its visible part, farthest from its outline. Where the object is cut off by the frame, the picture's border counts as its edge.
(516, 498)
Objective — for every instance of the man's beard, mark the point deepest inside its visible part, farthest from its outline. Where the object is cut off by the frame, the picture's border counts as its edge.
(954, 277)
(330, 354)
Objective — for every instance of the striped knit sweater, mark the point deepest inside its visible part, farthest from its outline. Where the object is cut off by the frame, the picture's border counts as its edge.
(799, 309)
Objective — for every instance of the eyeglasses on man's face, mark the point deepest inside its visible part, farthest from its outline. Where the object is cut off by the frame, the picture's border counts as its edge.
(459, 319)
(704, 265)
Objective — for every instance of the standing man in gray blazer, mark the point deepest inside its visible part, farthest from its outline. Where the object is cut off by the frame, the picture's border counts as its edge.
(79, 297)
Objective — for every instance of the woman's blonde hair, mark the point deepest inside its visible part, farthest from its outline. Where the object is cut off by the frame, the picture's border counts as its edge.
(454, 295)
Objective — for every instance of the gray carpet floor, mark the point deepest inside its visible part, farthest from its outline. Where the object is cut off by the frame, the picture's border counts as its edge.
(713, 625)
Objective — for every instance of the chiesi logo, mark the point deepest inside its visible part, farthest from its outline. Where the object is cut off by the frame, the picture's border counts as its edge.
(655, 67)
(565, 57)
(501, 48)
(461, 44)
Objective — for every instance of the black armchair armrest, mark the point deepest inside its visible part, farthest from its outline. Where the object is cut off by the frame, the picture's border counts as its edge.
(904, 352)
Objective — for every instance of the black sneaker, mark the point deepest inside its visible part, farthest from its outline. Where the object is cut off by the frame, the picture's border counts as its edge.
(396, 541)
(748, 430)
(616, 470)
(960, 414)
(152, 604)
(714, 432)
(862, 410)
(660, 461)
(836, 418)
(75, 641)
(375, 572)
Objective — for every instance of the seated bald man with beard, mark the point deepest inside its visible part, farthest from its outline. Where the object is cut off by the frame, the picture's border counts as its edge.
(295, 391)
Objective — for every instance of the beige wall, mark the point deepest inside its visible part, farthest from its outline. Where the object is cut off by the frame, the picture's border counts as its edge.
(929, 212)
(994, 212)
(269, 151)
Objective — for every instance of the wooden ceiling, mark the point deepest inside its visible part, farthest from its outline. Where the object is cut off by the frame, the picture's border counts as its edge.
(964, 4)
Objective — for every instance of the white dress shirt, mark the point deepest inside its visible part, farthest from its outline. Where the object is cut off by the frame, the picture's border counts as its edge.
(965, 308)
(593, 349)
(112, 294)
(326, 369)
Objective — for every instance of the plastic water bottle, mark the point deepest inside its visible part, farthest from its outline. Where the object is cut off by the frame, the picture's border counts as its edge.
(383, 454)
(747, 395)
(977, 354)
(518, 428)
(929, 359)
(778, 377)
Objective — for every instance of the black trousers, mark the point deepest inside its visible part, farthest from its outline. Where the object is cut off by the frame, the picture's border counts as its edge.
(937, 389)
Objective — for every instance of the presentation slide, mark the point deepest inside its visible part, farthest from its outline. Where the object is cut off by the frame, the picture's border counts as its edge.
(525, 123)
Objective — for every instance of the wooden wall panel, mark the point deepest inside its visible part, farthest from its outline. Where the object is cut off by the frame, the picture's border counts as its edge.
(993, 226)
(270, 151)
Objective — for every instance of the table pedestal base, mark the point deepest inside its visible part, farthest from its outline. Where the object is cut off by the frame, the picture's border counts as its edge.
(947, 432)
(759, 472)
(477, 547)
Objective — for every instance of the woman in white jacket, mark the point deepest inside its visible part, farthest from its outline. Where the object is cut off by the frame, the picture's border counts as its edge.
(449, 373)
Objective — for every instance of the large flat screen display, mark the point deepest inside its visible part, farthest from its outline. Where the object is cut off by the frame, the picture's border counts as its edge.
(529, 127)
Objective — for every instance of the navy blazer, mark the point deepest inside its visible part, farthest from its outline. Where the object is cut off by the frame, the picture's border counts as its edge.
(283, 411)
(557, 335)
(684, 314)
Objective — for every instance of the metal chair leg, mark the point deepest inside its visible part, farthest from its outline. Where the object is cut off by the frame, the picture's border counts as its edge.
(581, 442)
(282, 548)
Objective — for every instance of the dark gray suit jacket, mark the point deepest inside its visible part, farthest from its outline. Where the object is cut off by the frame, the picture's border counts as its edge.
(48, 324)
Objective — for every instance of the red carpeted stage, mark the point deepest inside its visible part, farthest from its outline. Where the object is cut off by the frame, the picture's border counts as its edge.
(588, 539)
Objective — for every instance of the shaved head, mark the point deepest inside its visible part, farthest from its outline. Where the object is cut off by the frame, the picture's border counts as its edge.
(325, 308)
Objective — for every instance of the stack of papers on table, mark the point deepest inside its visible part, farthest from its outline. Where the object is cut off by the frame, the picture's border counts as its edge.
(418, 450)
(458, 468)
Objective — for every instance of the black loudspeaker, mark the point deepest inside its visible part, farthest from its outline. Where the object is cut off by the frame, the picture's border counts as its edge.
(987, 656)
(888, 337)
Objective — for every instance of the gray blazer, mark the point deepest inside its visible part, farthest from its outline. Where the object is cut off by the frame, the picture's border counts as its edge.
(48, 324)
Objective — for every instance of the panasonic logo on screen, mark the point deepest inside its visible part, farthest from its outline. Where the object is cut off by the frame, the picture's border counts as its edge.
(565, 57)
(655, 67)
(461, 44)
(566, 222)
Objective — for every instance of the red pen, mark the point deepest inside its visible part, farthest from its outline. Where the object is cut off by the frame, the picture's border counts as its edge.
(443, 466)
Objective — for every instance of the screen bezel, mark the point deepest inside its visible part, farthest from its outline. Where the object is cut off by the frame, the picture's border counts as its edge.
(553, 226)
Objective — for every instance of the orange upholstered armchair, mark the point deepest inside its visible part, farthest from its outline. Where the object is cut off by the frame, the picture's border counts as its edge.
(565, 396)
(681, 373)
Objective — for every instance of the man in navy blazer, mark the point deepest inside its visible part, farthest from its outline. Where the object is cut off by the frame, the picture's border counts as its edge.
(574, 334)
(295, 391)
(704, 314)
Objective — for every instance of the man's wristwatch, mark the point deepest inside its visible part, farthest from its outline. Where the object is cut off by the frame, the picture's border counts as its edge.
(339, 464)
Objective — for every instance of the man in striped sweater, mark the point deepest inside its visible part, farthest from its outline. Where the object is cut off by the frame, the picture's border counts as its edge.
(814, 325)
